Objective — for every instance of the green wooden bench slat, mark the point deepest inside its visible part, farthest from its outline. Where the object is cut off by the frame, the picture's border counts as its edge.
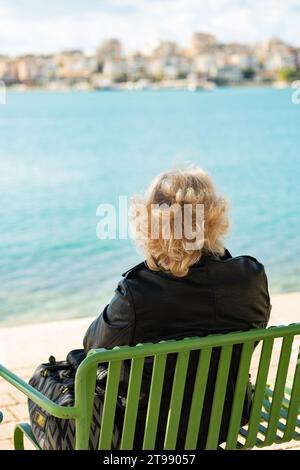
(284, 414)
(286, 404)
(219, 396)
(259, 392)
(21, 430)
(239, 393)
(285, 400)
(280, 426)
(109, 407)
(156, 388)
(262, 430)
(176, 400)
(244, 433)
(63, 412)
(132, 402)
(278, 393)
(267, 406)
(198, 399)
(258, 441)
(190, 344)
(84, 400)
(287, 391)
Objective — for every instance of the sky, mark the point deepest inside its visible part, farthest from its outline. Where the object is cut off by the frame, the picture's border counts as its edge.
(43, 26)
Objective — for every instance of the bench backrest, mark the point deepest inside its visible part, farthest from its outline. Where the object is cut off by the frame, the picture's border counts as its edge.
(279, 428)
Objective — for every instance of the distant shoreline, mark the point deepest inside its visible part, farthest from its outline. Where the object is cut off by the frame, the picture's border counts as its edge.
(126, 86)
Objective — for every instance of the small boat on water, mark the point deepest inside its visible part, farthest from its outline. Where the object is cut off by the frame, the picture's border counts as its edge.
(201, 85)
(280, 84)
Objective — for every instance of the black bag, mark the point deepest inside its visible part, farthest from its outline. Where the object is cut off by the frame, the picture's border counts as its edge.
(56, 381)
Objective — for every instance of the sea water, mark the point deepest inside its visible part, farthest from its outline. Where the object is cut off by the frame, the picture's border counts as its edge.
(63, 154)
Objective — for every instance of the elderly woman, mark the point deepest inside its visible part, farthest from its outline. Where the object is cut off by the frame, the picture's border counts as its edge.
(182, 290)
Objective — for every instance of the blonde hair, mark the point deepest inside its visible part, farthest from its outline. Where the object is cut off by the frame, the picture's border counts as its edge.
(176, 188)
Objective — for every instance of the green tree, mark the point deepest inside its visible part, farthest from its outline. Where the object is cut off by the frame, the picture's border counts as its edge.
(248, 73)
(289, 74)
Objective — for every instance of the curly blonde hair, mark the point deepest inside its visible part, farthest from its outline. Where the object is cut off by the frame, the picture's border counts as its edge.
(175, 189)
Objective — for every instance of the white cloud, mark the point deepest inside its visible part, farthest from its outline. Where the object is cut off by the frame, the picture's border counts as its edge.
(140, 22)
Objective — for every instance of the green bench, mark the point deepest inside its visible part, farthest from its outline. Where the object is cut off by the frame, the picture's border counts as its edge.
(274, 414)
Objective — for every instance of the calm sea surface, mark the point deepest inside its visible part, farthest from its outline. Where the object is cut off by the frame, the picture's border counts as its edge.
(62, 154)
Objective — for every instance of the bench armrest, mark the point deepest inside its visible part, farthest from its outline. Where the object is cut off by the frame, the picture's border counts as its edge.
(37, 397)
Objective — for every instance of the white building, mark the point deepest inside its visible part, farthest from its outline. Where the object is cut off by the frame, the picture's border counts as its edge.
(27, 68)
(8, 70)
(115, 70)
(201, 43)
(279, 60)
(230, 73)
(276, 54)
(165, 49)
(168, 68)
(74, 65)
(136, 66)
(110, 49)
(3, 66)
(206, 64)
(47, 68)
(244, 61)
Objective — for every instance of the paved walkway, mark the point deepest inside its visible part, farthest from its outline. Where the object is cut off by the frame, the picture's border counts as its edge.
(31, 345)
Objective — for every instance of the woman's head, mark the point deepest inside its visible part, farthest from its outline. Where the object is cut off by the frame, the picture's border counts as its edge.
(178, 197)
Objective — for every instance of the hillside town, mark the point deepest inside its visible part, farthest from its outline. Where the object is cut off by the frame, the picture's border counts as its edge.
(204, 62)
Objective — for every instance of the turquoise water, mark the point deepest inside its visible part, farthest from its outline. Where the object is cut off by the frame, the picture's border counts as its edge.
(62, 154)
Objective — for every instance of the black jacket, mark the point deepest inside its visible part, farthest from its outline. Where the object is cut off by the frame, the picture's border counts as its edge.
(219, 295)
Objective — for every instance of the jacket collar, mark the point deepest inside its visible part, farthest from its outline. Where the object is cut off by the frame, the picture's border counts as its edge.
(211, 256)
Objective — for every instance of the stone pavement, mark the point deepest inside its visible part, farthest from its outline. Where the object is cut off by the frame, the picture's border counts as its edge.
(36, 342)
(13, 405)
